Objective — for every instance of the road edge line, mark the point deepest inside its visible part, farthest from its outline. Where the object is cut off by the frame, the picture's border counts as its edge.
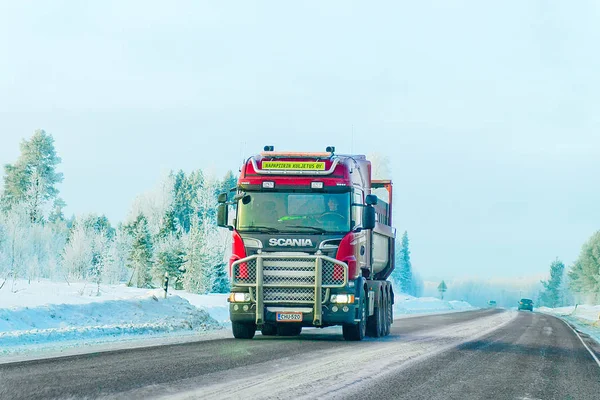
(582, 341)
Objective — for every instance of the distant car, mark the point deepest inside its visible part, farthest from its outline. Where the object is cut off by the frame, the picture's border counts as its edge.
(526, 304)
(492, 304)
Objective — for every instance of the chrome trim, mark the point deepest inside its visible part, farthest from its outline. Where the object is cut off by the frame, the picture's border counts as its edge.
(304, 310)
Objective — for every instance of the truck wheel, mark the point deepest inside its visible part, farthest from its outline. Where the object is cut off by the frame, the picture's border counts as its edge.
(243, 330)
(289, 330)
(356, 332)
(375, 323)
(269, 330)
(389, 313)
(384, 311)
(382, 323)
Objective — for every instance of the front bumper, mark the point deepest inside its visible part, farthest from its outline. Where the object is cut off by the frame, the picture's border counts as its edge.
(331, 314)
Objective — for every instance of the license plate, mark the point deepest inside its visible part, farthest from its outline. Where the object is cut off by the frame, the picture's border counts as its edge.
(289, 317)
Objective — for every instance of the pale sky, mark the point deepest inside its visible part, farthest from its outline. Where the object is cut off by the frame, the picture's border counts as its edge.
(489, 111)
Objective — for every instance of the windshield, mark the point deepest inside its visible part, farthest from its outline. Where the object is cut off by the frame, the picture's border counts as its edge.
(294, 212)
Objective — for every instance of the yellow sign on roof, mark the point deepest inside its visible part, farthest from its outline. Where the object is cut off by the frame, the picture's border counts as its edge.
(294, 165)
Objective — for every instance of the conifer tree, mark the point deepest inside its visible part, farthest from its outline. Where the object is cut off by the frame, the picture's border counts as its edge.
(220, 279)
(585, 273)
(140, 258)
(403, 272)
(32, 178)
(551, 295)
(197, 278)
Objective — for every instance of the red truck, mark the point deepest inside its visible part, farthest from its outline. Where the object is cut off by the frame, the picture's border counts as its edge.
(312, 245)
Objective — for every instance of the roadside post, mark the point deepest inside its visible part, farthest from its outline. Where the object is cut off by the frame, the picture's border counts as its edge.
(166, 284)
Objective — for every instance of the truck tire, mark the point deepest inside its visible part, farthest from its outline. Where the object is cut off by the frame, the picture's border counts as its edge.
(243, 330)
(375, 323)
(289, 330)
(356, 332)
(269, 330)
(389, 314)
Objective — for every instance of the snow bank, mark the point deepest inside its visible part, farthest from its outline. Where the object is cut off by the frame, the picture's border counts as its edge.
(45, 313)
(39, 293)
(215, 304)
(107, 320)
(406, 304)
(585, 318)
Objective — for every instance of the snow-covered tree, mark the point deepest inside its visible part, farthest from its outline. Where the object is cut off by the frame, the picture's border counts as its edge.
(16, 249)
(32, 179)
(57, 215)
(170, 257)
(117, 257)
(585, 272)
(140, 258)
(403, 272)
(154, 205)
(229, 182)
(197, 278)
(185, 192)
(79, 252)
(220, 278)
(28, 249)
(551, 296)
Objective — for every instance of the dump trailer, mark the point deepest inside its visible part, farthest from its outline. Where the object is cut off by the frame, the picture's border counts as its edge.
(312, 245)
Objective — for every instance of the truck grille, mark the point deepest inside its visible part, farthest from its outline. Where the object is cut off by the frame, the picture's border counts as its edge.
(292, 271)
(290, 295)
(292, 279)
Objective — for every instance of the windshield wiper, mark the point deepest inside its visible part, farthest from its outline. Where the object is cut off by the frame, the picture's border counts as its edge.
(317, 229)
(259, 228)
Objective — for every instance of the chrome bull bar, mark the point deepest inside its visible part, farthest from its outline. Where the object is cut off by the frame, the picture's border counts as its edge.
(289, 279)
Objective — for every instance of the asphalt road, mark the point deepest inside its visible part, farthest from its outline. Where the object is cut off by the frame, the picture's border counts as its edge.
(533, 356)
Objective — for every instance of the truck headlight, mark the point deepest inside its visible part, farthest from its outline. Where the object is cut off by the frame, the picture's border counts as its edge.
(239, 297)
(342, 298)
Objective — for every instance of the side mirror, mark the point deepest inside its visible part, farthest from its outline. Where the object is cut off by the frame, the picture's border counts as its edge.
(222, 198)
(222, 216)
(371, 199)
(368, 218)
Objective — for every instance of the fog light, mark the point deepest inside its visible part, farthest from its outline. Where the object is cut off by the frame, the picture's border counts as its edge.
(245, 307)
(345, 309)
(236, 307)
(334, 308)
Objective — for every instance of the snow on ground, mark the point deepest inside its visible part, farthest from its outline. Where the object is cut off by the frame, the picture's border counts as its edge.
(406, 304)
(44, 315)
(41, 314)
(585, 318)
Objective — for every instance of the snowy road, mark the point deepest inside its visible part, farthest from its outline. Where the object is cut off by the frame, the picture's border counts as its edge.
(476, 354)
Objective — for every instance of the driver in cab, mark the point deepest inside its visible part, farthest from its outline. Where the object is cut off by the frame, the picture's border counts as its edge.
(332, 214)
(333, 205)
